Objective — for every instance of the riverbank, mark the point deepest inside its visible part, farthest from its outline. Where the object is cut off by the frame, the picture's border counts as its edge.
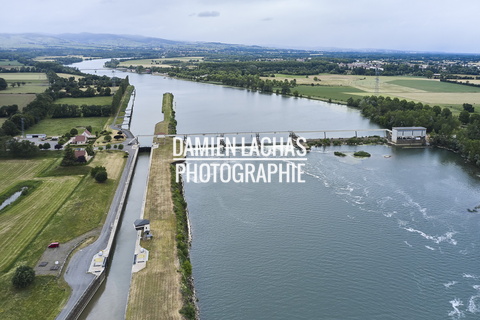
(156, 291)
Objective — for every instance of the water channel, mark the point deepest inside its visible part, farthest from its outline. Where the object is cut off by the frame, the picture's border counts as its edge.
(388, 237)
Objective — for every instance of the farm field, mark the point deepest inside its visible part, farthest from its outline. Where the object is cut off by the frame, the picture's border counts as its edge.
(24, 76)
(9, 63)
(86, 208)
(330, 92)
(427, 91)
(67, 203)
(20, 99)
(59, 126)
(67, 75)
(34, 82)
(101, 101)
(16, 170)
(22, 223)
(160, 62)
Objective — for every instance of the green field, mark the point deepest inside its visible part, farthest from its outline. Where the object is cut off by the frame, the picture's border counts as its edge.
(24, 76)
(86, 208)
(435, 86)
(8, 63)
(59, 126)
(99, 101)
(22, 223)
(34, 82)
(339, 87)
(329, 92)
(66, 204)
(20, 99)
(13, 171)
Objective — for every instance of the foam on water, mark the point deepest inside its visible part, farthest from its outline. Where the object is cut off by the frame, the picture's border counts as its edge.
(430, 248)
(408, 244)
(471, 276)
(447, 237)
(456, 313)
(474, 301)
(449, 284)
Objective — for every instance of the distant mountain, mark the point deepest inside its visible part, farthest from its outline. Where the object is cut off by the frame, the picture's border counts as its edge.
(81, 40)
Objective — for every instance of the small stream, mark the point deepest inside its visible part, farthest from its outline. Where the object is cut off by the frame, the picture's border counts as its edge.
(12, 198)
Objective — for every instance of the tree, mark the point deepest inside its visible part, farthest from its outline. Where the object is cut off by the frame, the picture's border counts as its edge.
(23, 149)
(446, 112)
(89, 128)
(107, 138)
(46, 146)
(23, 277)
(118, 137)
(437, 110)
(68, 157)
(9, 128)
(96, 170)
(120, 147)
(58, 146)
(108, 146)
(429, 74)
(89, 150)
(101, 176)
(3, 84)
(468, 107)
(464, 116)
(73, 132)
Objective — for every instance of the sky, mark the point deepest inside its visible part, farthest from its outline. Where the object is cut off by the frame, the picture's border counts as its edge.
(410, 25)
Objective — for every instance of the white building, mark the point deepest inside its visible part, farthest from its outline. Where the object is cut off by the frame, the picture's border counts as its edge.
(409, 135)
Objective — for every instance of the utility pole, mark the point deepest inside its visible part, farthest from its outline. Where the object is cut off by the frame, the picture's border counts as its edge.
(23, 128)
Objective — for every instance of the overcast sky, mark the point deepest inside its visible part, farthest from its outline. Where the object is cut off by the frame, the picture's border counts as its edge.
(419, 25)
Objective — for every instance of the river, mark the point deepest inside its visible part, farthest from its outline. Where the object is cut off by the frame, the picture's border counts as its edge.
(375, 238)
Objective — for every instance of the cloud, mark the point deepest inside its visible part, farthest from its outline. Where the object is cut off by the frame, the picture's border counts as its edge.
(208, 14)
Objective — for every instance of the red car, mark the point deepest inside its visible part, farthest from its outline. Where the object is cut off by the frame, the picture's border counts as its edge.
(54, 245)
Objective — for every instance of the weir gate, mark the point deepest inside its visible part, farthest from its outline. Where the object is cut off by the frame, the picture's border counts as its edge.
(146, 141)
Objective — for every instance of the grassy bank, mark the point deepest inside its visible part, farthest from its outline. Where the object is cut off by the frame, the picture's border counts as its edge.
(156, 291)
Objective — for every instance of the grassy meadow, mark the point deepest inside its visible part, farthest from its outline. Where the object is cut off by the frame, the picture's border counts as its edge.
(9, 63)
(59, 126)
(100, 101)
(34, 83)
(20, 99)
(66, 203)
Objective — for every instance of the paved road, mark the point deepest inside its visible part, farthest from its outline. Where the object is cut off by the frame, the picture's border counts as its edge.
(76, 272)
